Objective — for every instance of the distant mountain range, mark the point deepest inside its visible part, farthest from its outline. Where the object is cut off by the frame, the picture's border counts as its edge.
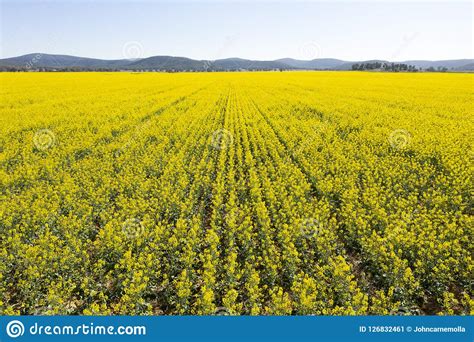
(42, 61)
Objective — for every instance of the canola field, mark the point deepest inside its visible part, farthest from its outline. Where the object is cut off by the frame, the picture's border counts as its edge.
(277, 193)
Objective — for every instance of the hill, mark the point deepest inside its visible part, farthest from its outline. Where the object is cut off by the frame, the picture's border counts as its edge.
(40, 61)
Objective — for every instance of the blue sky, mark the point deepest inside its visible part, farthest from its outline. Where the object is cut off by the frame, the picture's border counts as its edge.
(347, 30)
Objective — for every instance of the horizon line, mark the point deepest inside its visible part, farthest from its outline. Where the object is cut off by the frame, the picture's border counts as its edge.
(224, 58)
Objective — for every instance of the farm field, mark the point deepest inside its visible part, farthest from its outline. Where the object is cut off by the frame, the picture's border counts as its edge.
(276, 193)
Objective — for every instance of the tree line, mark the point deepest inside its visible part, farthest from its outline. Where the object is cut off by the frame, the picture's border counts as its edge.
(381, 66)
(394, 67)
